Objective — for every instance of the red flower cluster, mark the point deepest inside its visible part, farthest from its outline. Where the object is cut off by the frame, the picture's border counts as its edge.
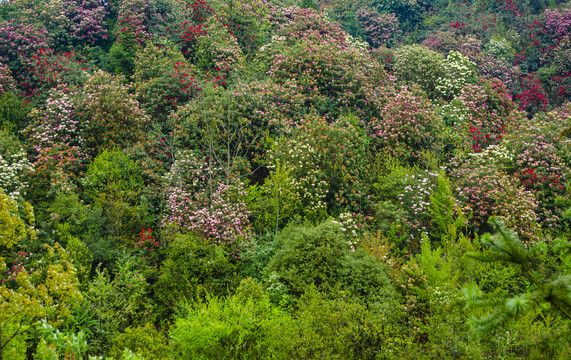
(149, 246)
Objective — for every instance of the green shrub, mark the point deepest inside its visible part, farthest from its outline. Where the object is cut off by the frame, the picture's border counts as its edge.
(310, 256)
(236, 327)
(192, 268)
(13, 112)
(420, 65)
(144, 341)
(112, 171)
(334, 329)
(322, 257)
(248, 326)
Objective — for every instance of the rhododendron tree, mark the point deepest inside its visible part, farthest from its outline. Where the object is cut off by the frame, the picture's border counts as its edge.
(306, 24)
(199, 201)
(532, 99)
(100, 116)
(484, 189)
(332, 79)
(57, 136)
(414, 200)
(419, 65)
(86, 20)
(458, 71)
(186, 23)
(483, 114)
(164, 80)
(378, 28)
(248, 21)
(49, 69)
(113, 116)
(132, 18)
(7, 82)
(407, 125)
(18, 43)
(324, 163)
(219, 51)
(14, 166)
(542, 162)
(558, 21)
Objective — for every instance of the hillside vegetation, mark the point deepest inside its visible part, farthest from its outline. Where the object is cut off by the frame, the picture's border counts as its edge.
(263, 179)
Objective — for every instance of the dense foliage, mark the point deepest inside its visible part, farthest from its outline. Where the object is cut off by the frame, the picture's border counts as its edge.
(296, 179)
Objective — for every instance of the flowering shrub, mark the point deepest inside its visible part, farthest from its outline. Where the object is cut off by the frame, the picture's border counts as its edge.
(270, 105)
(86, 19)
(379, 28)
(57, 136)
(458, 70)
(49, 69)
(409, 12)
(444, 41)
(132, 20)
(332, 72)
(307, 25)
(490, 68)
(248, 22)
(485, 189)
(76, 125)
(58, 123)
(488, 64)
(309, 182)
(7, 82)
(18, 43)
(352, 226)
(197, 201)
(57, 168)
(163, 79)
(332, 79)
(149, 247)
(111, 114)
(407, 125)
(323, 160)
(532, 99)
(187, 24)
(483, 113)
(219, 50)
(558, 21)
(12, 172)
(384, 56)
(420, 65)
(542, 161)
(14, 166)
(415, 201)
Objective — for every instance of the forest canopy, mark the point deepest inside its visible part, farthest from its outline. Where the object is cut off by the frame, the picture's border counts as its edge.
(296, 179)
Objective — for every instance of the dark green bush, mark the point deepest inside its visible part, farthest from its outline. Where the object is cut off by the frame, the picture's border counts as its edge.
(321, 256)
(194, 267)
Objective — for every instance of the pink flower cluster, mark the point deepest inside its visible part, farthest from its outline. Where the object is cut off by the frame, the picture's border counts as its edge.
(132, 19)
(197, 201)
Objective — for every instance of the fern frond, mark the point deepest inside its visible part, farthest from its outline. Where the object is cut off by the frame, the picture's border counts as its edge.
(474, 298)
(517, 305)
(488, 323)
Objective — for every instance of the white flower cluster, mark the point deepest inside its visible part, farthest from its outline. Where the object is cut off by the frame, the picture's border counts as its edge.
(495, 154)
(12, 174)
(350, 227)
(275, 39)
(454, 113)
(357, 44)
(458, 69)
